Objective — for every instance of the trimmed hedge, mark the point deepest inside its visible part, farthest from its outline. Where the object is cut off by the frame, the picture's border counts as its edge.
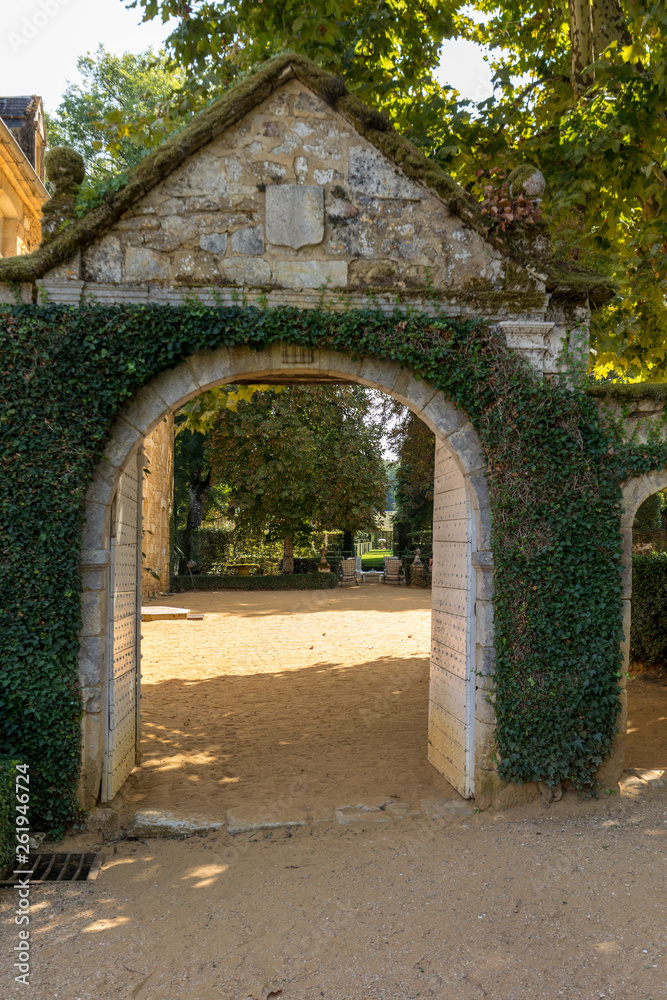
(7, 812)
(648, 632)
(286, 581)
(648, 516)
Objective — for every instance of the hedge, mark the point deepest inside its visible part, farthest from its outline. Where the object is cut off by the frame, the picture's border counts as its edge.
(648, 632)
(286, 581)
(7, 812)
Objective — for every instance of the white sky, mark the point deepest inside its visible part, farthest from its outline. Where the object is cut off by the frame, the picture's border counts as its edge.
(41, 40)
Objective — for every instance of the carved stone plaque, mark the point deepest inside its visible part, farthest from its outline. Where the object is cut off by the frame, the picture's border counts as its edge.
(294, 215)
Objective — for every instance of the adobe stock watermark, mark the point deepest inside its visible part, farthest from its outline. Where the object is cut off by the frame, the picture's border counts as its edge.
(32, 25)
(22, 885)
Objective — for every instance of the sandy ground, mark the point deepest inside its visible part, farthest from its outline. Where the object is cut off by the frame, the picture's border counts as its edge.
(257, 702)
(646, 741)
(321, 696)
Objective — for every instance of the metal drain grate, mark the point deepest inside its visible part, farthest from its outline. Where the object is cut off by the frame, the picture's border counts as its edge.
(59, 867)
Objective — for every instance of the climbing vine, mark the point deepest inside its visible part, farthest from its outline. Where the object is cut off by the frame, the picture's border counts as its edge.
(554, 475)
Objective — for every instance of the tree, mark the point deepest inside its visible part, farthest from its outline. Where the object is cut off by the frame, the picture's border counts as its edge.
(387, 49)
(307, 458)
(414, 475)
(592, 115)
(192, 483)
(123, 99)
(579, 90)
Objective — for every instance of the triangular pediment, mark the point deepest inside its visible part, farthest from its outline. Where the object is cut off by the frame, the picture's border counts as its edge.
(288, 181)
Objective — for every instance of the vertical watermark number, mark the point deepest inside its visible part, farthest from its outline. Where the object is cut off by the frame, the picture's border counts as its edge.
(22, 885)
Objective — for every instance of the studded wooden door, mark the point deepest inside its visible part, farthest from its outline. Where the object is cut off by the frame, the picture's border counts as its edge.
(121, 750)
(452, 675)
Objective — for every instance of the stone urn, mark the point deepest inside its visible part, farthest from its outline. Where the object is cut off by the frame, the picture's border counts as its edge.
(418, 576)
(323, 566)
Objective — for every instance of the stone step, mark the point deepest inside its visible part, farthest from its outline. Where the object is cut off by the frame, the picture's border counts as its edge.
(251, 819)
(155, 613)
(254, 819)
(161, 823)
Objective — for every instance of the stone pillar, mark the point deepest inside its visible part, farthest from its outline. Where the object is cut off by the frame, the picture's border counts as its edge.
(95, 578)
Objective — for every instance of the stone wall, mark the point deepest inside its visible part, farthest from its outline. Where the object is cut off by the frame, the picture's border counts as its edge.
(157, 497)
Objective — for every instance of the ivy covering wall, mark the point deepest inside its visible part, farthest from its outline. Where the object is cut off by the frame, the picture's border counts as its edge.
(554, 475)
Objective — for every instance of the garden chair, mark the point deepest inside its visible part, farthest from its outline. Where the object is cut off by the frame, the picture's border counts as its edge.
(393, 570)
(348, 571)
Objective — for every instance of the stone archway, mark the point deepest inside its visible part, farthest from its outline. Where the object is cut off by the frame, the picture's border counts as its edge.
(461, 721)
(635, 492)
(284, 194)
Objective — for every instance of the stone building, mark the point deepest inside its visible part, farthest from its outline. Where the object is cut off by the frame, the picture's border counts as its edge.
(22, 190)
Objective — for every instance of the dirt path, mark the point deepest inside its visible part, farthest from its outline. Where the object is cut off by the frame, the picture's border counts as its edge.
(325, 695)
(646, 742)
(568, 903)
(318, 697)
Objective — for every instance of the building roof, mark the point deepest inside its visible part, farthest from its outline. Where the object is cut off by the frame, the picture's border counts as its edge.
(237, 102)
(28, 108)
(16, 107)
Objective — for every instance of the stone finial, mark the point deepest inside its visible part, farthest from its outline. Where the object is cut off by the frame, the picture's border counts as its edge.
(65, 171)
(528, 181)
(64, 168)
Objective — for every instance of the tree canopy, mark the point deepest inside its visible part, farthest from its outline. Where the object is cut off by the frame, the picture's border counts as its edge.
(303, 459)
(579, 90)
(118, 109)
(415, 444)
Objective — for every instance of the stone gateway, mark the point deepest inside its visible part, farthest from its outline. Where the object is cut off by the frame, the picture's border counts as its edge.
(289, 191)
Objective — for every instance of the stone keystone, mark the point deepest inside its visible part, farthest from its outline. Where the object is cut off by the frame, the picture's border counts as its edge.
(294, 215)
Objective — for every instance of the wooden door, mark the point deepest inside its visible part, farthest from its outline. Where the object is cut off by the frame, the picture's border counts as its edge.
(121, 749)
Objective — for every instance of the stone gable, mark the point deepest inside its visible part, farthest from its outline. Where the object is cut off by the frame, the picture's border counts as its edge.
(291, 198)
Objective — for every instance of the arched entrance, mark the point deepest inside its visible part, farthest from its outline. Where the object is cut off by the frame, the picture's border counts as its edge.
(460, 719)
(635, 492)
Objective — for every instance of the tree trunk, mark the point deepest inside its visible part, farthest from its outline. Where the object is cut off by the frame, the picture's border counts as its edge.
(404, 528)
(199, 490)
(594, 24)
(581, 38)
(288, 554)
(608, 25)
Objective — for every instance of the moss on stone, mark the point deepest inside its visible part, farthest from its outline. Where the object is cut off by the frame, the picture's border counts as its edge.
(241, 99)
(64, 167)
(624, 392)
